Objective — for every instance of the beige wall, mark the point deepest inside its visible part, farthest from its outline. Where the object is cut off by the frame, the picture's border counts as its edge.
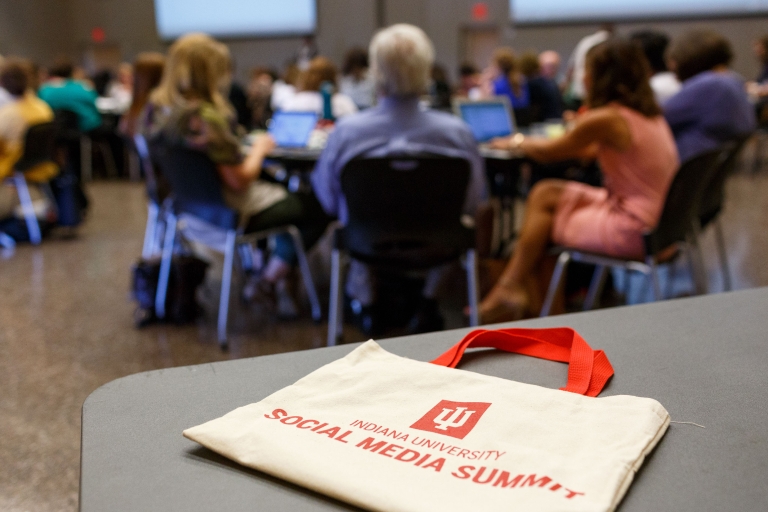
(45, 28)
(36, 29)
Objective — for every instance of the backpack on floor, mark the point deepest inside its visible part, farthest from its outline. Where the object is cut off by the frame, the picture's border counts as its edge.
(181, 307)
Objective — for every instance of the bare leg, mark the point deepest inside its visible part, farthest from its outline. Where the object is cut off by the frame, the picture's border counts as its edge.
(512, 296)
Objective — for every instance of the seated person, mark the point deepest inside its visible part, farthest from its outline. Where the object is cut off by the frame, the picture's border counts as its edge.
(663, 81)
(16, 117)
(190, 109)
(147, 72)
(546, 101)
(309, 98)
(508, 80)
(622, 128)
(356, 82)
(401, 62)
(712, 107)
(62, 92)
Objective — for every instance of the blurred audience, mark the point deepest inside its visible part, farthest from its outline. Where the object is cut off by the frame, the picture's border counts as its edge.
(24, 110)
(574, 75)
(469, 82)
(712, 106)
(507, 79)
(549, 64)
(440, 89)
(545, 99)
(260, 96)
(63, 92)
(356, 81)
(401, 61)
(285, 88)
(147, 73)
(624, 130)
(663, 81)
(309, 98)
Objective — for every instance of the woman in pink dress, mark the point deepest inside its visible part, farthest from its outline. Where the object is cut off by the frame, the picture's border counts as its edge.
(624, 130)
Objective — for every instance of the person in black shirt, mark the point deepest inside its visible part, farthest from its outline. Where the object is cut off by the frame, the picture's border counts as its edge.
(546, 102)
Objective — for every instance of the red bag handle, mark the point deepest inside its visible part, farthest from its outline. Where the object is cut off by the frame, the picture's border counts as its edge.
(588, 370)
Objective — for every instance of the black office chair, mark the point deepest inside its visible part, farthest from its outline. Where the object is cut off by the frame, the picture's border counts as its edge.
(197, 201)
(405, 213)
(681, 208)
(712, 204)
(39, 148)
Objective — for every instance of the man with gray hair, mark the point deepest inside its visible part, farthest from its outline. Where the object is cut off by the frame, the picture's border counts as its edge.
(401, 59)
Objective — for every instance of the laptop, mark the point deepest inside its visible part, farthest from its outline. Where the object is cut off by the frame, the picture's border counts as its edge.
(487, 119)
(292, 129)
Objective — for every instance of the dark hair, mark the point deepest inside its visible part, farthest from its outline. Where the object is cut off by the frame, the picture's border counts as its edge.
(355, 62)
(529, 64)
(505, 60)
(62, 69)
(467, 69)
(147, 73)
(619, 73)
(697, 51)
(14, 76)
(320, 70)
(654, 44)
(763, 41)
(101, 81)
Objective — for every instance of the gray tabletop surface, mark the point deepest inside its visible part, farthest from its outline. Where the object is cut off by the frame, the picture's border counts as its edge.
(705, 359)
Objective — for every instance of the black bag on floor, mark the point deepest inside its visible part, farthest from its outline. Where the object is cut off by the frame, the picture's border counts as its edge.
(69, 199)
(181, 307)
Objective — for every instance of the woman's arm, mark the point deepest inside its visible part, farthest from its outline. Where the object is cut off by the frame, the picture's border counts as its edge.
(239, 177)
(600, 126)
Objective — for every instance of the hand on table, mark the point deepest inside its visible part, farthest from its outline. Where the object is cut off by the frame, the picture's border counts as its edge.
(263, 144)
(504, 143)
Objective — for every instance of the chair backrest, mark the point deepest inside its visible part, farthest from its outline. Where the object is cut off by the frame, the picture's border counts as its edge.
(714, 194)
(150, 177)
(39, 146)
(683, 201)
(406, 210)
(194, 181)
(69, 124)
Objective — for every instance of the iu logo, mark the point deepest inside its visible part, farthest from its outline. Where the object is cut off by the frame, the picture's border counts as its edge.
(455, 419)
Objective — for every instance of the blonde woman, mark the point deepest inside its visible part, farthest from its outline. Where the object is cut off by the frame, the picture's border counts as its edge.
(189, 108)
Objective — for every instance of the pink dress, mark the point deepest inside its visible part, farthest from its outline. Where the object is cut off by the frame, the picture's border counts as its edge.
(611, 220)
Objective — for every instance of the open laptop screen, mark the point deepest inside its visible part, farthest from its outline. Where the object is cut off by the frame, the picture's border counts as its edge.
(487, 119)
(292, 129)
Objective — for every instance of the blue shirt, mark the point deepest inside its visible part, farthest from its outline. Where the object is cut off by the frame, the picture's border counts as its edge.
(710, 109)
(501, 87)
(396, 126)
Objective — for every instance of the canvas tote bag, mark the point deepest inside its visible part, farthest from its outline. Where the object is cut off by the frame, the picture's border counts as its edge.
(388, 433)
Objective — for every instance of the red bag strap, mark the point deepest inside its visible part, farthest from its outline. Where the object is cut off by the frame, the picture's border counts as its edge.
(588, 370)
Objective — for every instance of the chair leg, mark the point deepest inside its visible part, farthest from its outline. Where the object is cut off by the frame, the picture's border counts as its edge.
(554, 284)
(165, 266)
(596, 287)
(306, 274)
(28, 209)
(473, 288)
(134, 167)
(671, 275)
(335, 311)
(150, 231)
(86, 158)
(723, 254)
(226, 285)
(653, 275)
(109, 159)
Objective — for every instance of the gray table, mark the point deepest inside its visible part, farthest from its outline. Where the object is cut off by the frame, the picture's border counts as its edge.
(705, 359)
